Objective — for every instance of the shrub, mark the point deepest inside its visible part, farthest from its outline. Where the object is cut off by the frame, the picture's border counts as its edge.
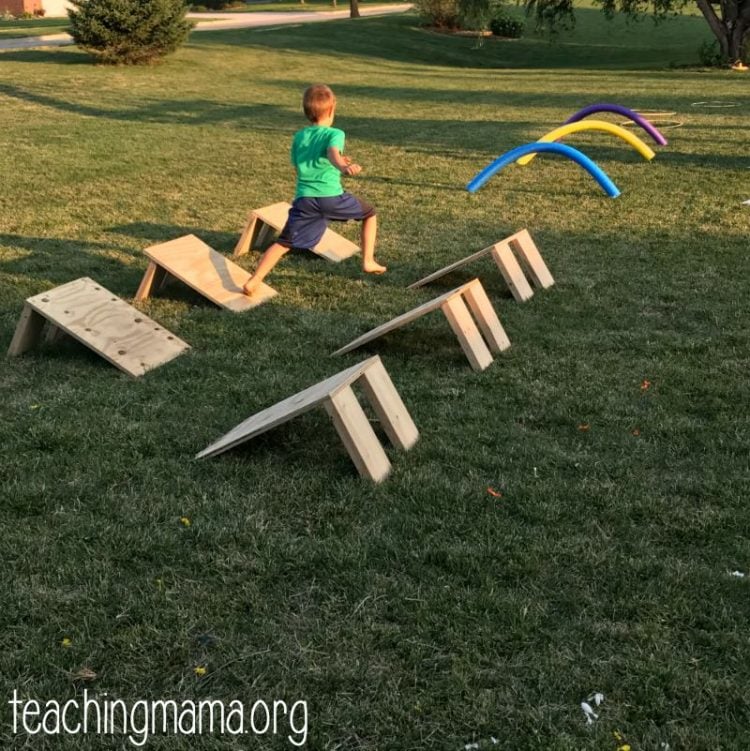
(504, 25)
(441, 13)
(710, 55)
(218, 4)
(6, 15)
(474, 15)
(40, 13)
(129, 32)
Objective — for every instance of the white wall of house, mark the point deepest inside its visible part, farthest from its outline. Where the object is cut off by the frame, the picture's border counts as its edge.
(55, 8)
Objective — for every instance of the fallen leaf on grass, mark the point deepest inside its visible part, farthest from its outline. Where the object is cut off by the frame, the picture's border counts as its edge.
(584, 427)
(85, 674)
(646, 385)
(635, 431)
(737, 574)
(66, 643)
(494, 493)
(185, 521)
(200, 671)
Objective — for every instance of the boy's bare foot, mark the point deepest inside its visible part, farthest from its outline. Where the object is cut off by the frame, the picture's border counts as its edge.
(250, 286)
(374, 268)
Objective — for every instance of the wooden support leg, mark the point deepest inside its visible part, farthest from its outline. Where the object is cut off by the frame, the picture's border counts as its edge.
(480, 305)
(532, 261)
(467, 332)
(357, 435)
(246, 238)
(28, 331)
(388, 406)
(512, 273)
(265, 232)
(152, 279)
(53, 333)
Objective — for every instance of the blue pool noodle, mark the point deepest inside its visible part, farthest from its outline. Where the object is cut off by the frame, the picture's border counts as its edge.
(555, 148)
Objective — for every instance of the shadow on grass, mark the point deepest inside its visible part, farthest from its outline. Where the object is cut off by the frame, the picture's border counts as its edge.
(154, 233)
(59, 260)
(594, 43)
(50, 56)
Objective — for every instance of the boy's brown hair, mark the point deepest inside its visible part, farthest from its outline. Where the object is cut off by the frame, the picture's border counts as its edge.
(318, 101)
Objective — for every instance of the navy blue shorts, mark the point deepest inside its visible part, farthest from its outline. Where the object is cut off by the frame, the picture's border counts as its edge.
(309, 217)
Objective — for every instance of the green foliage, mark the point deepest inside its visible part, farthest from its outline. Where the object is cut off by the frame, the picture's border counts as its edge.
(129, 31)
(440, 13)
(217, 4)
(729, 20)
(474, 14)
(503, 24)
(710, 55)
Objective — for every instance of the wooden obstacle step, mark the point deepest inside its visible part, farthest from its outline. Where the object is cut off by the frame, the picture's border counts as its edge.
(514, 255)
(209, 273)
(263, 223)
(477, 339)
(335, 394)
(88, 312)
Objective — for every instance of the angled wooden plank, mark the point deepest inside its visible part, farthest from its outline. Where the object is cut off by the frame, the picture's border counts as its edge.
(332, 246)
(388, 405)
(530, 259)
(511, 271)
(28, 331)
(246, 238)
(209, 273)
(399, 321)
(357, 435)
(106, 324)
(489, 324)
(451, 267)
(467, 333)
(153, 279)
(284, 411)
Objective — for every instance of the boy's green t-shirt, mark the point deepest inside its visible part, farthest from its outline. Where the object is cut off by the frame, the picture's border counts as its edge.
(316, 176)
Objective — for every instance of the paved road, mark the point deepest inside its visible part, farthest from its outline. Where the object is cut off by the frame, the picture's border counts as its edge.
(220, 21)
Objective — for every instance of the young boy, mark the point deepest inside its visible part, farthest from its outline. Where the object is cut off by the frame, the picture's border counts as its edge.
(317, 155)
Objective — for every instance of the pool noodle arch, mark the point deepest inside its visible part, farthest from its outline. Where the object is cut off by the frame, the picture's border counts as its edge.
(554, 135)
(620, 110)
(554, 148)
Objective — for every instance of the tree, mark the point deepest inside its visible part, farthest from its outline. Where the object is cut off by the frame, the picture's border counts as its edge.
(729, 20)
(354, 9)
(129, 31)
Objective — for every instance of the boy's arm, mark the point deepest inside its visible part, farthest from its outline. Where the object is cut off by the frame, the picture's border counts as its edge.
(341, 162)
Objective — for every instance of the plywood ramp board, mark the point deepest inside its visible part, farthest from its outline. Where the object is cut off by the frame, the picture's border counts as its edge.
(451, 267)
(336, 396)
(209, 273)
(454, 306)
(107, 325)
(526, 253)
(332, 246)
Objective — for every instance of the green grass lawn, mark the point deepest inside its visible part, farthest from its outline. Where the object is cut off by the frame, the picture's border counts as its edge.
(424, 613)
(32, 27)
(310, 5)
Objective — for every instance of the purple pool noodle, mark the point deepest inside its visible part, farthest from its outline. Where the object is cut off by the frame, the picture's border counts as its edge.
(620, 110)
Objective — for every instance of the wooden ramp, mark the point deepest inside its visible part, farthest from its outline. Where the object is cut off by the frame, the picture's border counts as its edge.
(263, 223)
(88, 312)
(513, 256)
(335, 394)
(458, 306)
(209, 273)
